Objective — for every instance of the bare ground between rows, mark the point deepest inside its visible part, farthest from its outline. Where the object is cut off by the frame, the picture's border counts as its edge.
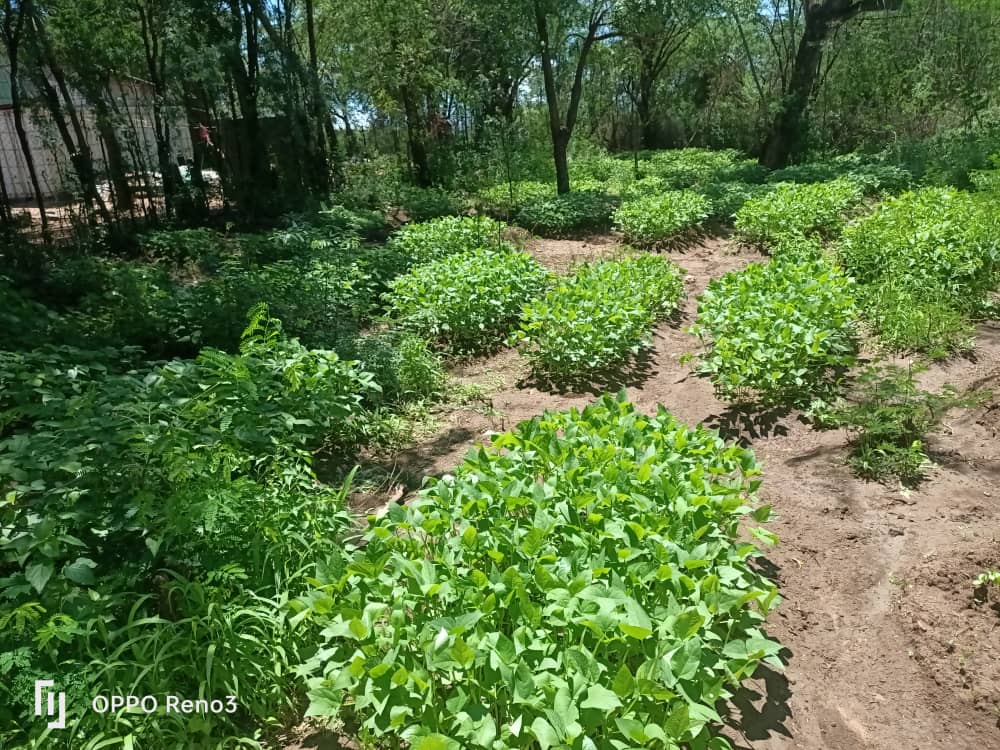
(886, 648)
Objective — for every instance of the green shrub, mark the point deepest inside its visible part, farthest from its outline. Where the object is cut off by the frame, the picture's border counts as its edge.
(907, 320)
(779, 333)
(433, 240)
(925, 260)
(164, 516)
(567, 214)
(797, 209)
(583, 583)
(369, 224)
(423, 204)
(401, 363)
(986, 180)
(599, 318)
(648, 222)
(180, 246)
(603, 168)
(889, 417)
(506, 199)
(469, 301)
(642, 188)
(689, 167)
(26, 323)
(726, 198)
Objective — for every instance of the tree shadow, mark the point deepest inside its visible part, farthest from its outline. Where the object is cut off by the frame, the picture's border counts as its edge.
(745, 423)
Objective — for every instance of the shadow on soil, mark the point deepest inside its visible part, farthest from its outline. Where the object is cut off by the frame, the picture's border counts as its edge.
(761, 706)
(745, 423)
(633, 375)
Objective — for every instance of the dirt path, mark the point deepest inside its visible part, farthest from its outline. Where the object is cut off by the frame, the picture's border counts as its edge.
(885, 649)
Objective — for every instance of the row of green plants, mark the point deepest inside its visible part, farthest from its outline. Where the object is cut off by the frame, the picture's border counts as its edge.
(779, 333)
(598, 319)
(584, 582)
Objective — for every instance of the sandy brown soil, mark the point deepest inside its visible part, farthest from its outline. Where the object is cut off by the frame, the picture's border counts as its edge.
(886, 647)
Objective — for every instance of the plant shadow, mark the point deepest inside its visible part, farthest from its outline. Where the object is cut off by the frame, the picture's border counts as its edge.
(632, 375)
(744, 423)
(759, 709)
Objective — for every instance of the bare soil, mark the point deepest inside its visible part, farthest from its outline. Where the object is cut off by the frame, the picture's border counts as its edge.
(886, 647)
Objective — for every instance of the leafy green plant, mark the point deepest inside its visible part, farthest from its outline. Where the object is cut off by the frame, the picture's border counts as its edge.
(155, 523)
(403, 365)
(651, 221)
(505, 199)
(797, 209)
(599, 318)
(433, 240)
(726, 198)
(567, 214)
(583, 582)
(780, 333)
(889, 417)
(927, 261)
(179, 246)
(689, 167)
(469, 301)
(423, 204)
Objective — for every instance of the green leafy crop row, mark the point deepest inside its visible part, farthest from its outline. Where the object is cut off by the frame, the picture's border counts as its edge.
(572, 213)
(777, 333)
(790, 209)
(659, 218)
(599, 317)
(580, 584)
(468, 301)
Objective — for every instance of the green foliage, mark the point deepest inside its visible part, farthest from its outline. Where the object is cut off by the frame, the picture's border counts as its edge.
(423, 204)
(26, 323)
(204, 247)
(780, 333)
(797, 209)
(506, 199)
(689, 167)
(726, 198)
(657, 219)
(401, 363)
(568, 214)
(369, 224)
(889, 416)
(469, 301)
(642, 188)
(927, 260)
(156, 521)
(434, 240)
(599, 318)
(582, 581)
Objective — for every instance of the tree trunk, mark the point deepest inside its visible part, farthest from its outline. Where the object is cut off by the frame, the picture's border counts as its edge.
(789, 133)
(113, 154)
(415, 138)
(560, 151)
(18, 112)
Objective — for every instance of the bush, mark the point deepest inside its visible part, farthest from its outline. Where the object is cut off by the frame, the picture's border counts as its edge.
(506, 199)
(797, 209)
(599, 318)
(423, 204)
(369, 224)
(889, 417)
(433, 240)
(583, 583)
(469, 301)
(726, 198)
(567, 214)
(642, 188)
(779, 333)
(648, 222)
(164, 516)
(204, 247)
(689, 167)
(925, 260)
(401, 363)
